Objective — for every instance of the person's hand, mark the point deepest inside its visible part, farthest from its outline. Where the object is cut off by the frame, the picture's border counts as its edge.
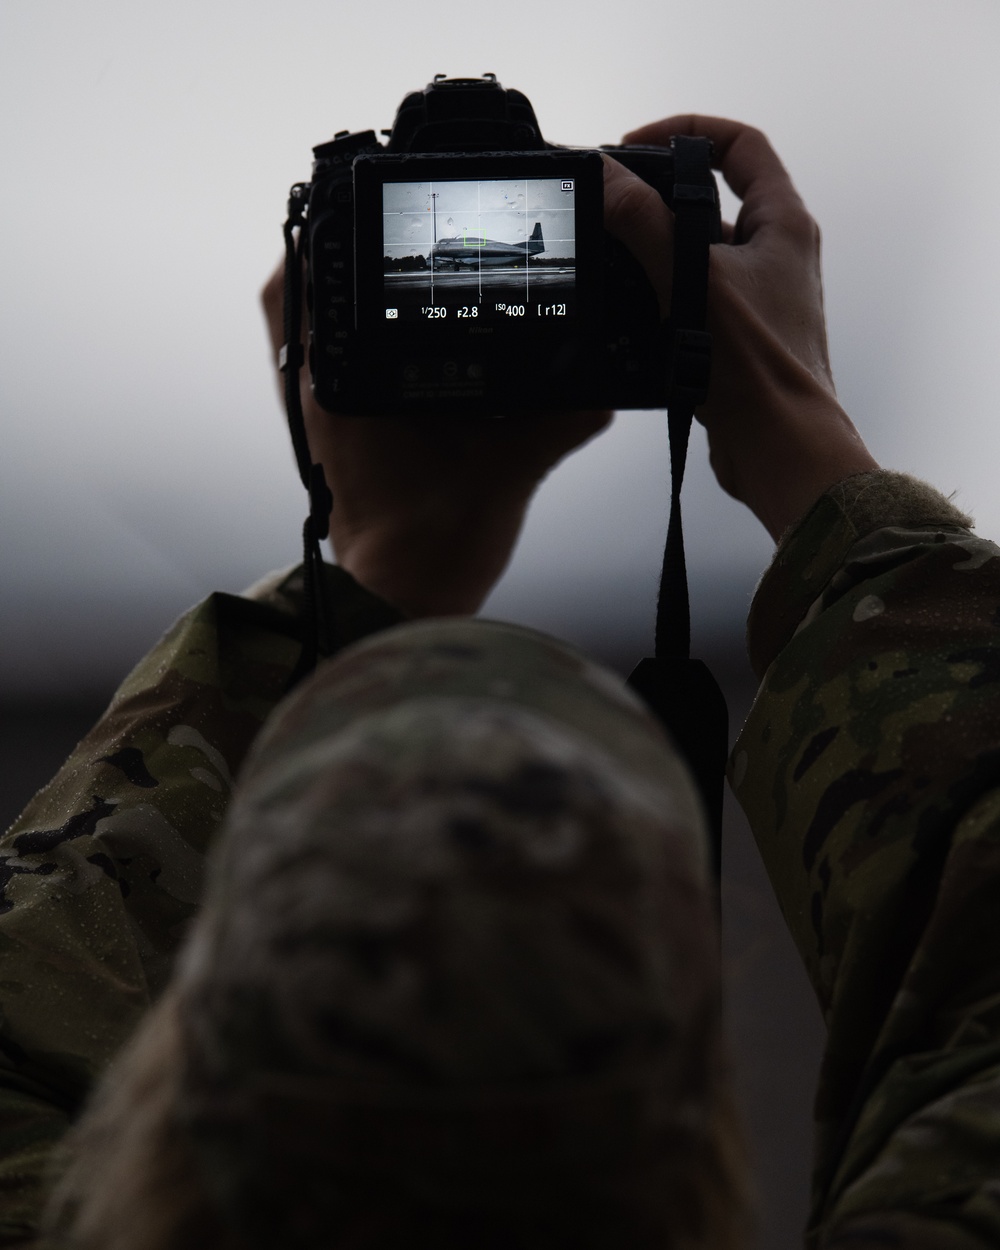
(778, 438)
(426, 511)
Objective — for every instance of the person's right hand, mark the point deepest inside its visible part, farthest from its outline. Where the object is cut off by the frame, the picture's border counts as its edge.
(427, 510)
(778, 438)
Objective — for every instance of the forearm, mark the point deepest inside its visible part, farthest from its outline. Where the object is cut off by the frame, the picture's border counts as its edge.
(778, 437)
(868, 770)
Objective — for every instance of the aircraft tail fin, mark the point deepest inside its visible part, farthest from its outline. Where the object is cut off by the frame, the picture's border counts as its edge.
(536, 243)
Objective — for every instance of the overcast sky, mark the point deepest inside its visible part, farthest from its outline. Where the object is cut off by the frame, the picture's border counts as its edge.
(147, 150)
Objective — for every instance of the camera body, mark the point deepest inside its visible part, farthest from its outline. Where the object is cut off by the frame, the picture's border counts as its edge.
(463, 267)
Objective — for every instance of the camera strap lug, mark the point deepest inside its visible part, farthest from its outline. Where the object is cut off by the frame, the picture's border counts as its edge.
(290, 356)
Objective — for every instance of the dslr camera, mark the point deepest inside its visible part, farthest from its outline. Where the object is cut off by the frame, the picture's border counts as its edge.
(463, 266)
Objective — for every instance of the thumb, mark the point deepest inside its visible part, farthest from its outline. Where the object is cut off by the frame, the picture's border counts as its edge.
(637, 217)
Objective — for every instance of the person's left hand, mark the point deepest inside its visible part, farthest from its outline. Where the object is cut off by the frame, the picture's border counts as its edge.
(426, 511)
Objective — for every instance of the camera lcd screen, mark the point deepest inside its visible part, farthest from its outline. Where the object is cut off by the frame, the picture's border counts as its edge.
(487, 250)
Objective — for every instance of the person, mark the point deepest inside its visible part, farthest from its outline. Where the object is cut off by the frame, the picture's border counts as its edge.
(454, 980)
(867, 766)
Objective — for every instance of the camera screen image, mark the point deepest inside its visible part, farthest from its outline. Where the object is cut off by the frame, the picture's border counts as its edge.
(489, 249)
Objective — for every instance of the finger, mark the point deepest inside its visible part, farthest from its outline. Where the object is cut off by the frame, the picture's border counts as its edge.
(749, 164)
(636, 215)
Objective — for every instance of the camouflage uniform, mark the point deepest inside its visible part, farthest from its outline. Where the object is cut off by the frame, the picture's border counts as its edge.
(868, 768)
(101, 874)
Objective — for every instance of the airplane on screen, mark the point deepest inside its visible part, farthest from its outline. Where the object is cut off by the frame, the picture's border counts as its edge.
(473, 251)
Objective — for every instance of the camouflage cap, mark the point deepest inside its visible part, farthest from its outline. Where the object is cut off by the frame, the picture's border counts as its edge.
(457, 946)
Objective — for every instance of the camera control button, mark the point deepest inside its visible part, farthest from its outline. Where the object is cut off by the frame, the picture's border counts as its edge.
(450, 369)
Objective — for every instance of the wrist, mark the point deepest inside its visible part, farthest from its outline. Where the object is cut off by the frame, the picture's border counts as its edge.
(431, 566)
(780, 462)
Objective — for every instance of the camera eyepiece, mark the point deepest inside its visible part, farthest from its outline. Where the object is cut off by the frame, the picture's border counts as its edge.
(465, 115)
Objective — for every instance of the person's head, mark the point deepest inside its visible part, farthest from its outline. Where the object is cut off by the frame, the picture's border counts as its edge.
(455, 982)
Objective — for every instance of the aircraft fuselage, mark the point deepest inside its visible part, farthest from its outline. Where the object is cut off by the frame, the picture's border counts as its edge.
(474, 251)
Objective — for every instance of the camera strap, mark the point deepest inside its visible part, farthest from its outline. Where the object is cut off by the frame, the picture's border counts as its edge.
(317, 640)
(681, 691)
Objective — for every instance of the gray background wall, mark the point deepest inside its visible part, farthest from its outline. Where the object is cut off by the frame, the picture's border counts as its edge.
(146, 154)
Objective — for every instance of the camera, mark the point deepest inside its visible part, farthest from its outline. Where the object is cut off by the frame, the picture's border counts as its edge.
(463, 266)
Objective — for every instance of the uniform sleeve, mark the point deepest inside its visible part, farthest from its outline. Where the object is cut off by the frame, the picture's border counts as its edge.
(869, 769)
(101, 874)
